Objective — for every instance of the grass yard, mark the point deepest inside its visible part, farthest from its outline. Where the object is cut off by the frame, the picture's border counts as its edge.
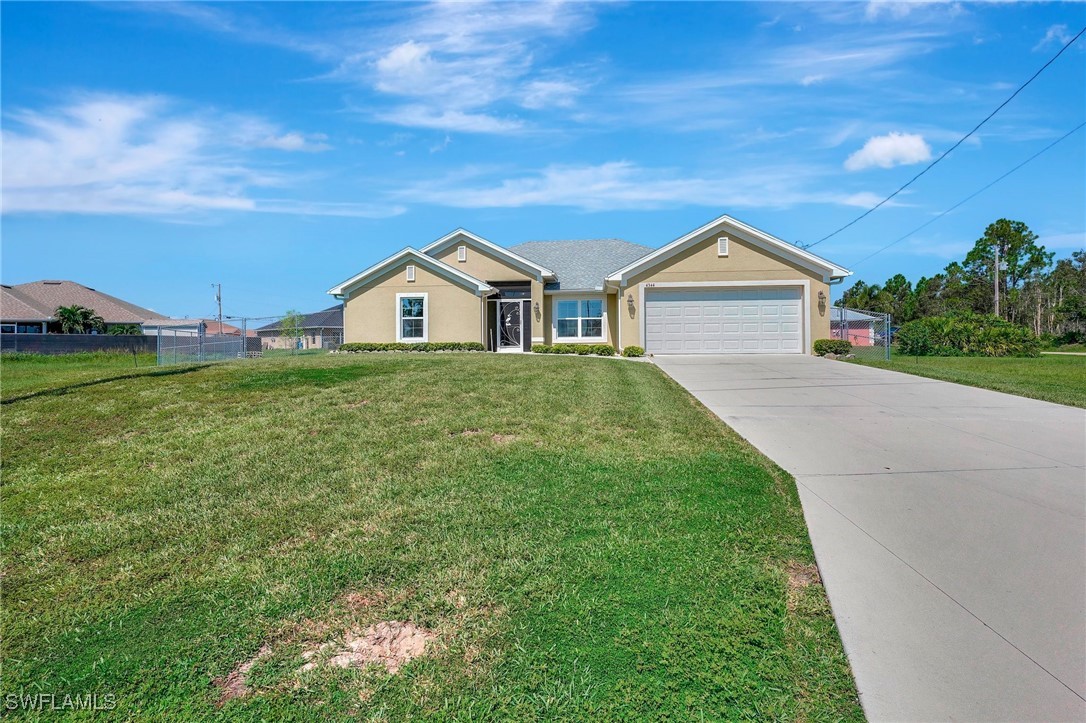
(1053, 378)
(23, 374)
(573, 538)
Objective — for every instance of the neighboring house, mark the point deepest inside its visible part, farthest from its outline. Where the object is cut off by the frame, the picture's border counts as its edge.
(320, 330)
(29, 308)
(854, 326)
(723, 288)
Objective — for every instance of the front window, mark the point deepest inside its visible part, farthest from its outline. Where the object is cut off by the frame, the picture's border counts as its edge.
(412, 318)
(579, 319)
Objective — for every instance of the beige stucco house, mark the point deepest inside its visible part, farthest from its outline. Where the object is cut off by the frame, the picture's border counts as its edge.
(725, 287)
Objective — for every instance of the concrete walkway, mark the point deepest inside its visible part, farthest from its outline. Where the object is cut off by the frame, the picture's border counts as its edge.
(949, 524)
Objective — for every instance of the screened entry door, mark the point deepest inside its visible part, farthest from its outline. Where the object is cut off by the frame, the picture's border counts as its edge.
(510, 328)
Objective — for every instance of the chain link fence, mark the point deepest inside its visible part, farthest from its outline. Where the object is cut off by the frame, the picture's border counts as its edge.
(244, 337)
(870, 332)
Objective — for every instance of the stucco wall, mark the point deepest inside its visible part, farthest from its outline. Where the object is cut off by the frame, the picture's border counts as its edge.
(744, 262)
(370, 312)
(488, 267)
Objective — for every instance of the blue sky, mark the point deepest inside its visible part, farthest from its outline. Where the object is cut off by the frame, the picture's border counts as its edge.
(152, 149)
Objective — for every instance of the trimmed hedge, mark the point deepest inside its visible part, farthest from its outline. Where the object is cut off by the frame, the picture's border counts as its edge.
(423, 346)
(966, 334)
(822, 347)
(581, 349)
(633, 351)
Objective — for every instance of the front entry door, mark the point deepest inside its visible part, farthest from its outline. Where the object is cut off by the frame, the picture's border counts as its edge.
(510, 330)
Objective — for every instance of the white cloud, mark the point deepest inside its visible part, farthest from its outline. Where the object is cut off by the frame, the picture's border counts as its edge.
(1055, 35)
(809, 80)
(550, 94)
(422, 116)
(451, 62)
(137, 155)
(623, 185)
(892, 149)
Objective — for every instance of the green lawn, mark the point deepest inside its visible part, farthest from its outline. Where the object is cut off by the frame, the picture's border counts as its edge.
(581, 538)
(22, 374)
(1060, 379)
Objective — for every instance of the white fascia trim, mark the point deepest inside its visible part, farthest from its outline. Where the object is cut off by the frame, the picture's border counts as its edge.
(745, 232)
(447, 240)
(805, 301)
(425, 316)
(576, 292)
(442, 269)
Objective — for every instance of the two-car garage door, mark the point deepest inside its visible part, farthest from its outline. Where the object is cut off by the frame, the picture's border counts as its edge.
(751, 320)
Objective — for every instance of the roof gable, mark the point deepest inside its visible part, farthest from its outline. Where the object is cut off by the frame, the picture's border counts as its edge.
(409, 253)
(510, 257)
(742, 231)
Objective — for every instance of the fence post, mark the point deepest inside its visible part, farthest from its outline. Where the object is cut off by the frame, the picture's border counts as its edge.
(888, 332)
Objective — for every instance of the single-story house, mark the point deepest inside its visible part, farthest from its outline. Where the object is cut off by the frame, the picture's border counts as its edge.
(725, 287)
(854, 326)
(320, 330)
(29, 308)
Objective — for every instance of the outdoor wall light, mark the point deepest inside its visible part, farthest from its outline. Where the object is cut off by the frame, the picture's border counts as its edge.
(535, 308)
(630, 302)
(822, 297)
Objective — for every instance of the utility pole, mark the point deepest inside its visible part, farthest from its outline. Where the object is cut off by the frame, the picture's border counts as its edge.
(996, 269)
(218, 300)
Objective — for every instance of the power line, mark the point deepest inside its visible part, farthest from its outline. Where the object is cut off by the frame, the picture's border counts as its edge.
(960, 141)
(974, 194)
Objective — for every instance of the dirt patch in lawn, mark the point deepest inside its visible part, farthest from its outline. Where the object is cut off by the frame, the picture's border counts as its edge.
(233, 685)
(502, 438)
(390, 643)
(800, 577)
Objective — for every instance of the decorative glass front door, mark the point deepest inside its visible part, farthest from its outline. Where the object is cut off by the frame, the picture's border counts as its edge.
(509, 325)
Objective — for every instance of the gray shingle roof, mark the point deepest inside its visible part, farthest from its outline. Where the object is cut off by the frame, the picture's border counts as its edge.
(581, 264)
(330, 318)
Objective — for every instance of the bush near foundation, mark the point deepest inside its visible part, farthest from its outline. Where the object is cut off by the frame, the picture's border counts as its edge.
(581, 349)
(423, 346)
(822, 347)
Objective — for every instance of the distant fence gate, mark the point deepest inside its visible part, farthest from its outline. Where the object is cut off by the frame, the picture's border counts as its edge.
(183, 346)
(871, 332)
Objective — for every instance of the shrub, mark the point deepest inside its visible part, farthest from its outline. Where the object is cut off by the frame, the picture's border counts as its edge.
(822, 347)
(582, 349)
(633, 351)
(431, 346)
(1070, 337)
(966, 334)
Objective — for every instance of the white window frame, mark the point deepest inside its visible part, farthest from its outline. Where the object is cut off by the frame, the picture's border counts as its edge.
(461, 253)
(722, 245)
(410, 272)
(579, 299)
(425, 317)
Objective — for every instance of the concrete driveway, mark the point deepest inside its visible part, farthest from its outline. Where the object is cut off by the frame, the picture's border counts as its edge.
(949, 525)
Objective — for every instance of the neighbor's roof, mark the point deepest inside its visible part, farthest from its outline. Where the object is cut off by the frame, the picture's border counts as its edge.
(16, 307)
(850, 315)
(45, 296)
(582, 264)
(330, 318)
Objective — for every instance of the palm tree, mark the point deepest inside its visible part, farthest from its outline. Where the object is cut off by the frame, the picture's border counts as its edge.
(76, 319)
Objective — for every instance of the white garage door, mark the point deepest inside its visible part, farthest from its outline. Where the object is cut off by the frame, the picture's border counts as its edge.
(753, 320)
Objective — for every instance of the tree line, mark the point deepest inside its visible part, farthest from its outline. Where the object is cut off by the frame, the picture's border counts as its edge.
(1006, 274)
